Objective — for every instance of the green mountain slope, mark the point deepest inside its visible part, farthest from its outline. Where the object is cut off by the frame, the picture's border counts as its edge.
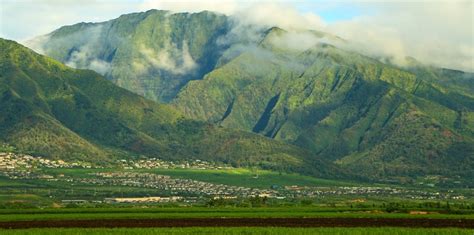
(372, 118)
(55, 111)
(152, 53)
(304, 88)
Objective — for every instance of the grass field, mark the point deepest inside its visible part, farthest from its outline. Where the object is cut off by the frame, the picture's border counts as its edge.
(195, 212)
(237, 177)
(242, 231)
(5, 182)
(72, 190)
(247, 178)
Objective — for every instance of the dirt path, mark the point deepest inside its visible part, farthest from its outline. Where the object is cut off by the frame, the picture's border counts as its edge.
(241, 222)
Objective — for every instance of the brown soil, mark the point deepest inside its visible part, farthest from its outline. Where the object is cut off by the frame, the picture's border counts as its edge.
(242, 222)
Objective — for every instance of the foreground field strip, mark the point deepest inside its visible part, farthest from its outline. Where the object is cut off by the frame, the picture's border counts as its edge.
(85, 216)
(211, 215)
(239, 231)
(243, 222)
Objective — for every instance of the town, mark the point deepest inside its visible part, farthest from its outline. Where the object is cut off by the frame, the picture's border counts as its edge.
(165, 188)
(174, 186)
(152, 163)
(13, 161)
(10, 161)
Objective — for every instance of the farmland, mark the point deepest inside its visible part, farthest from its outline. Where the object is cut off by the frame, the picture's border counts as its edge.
(152, 194)
(205, 212)
(240, 230)
(200, 185)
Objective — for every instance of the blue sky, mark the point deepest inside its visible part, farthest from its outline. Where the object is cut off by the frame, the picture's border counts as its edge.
(331, 12)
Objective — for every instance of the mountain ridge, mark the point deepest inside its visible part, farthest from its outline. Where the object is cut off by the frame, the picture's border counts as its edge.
(308, 89)
(63, 113)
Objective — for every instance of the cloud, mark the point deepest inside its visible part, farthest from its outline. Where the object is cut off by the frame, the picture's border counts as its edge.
(251, 21)
(84, 59)
(282, 15)
(170, 58)
(436, 33)
(22, 20)
(296, 40)
(264, 13)
(37, 43)
(100, 66)
(84, 46)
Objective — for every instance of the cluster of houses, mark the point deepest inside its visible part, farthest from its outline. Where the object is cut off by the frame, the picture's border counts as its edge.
(175, 186)
(152, 163)
(143, 199)
(23, 166)
(321, 192)
(13, 161)
(193, 188)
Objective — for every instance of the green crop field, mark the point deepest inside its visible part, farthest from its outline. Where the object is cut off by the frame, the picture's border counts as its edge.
(248, 178)
(238, 177)
(243, 230)
(195, 212)
(62, 189)
(5, 182)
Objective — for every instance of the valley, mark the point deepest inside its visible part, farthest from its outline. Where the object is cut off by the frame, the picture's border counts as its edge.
(254, 119)
(373, 119)
(189, 183)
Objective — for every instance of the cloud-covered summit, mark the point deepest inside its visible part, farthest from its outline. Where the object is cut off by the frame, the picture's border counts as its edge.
(440, 33)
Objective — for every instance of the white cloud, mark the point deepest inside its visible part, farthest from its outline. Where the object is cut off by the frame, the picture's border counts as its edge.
(22, 20)
(84, 59)
(282, 15)
(100, 66)
(265, 13)
(37, 43)
(84, 56)
(171, 58)
(437, 33)
(295, 40)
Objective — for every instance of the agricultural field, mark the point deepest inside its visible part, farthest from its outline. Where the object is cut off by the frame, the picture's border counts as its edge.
(251, 178)
(240, 230)
(237, 176)
(219, 212)
(69, 198)
(51, 187)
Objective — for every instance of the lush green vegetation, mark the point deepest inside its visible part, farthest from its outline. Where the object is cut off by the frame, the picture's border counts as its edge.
(374, 120)
(246, 231)
(217, 212)
(250, 178)
(58, 112)
(246, 177)
(135, 57)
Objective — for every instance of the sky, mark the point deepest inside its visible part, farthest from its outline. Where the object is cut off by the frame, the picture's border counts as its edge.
(438, 32)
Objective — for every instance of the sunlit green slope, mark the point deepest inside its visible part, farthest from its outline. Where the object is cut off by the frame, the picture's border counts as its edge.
(51, 110)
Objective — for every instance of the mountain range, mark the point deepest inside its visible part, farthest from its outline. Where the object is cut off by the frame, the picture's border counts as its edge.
(203, 85)
(51, 110)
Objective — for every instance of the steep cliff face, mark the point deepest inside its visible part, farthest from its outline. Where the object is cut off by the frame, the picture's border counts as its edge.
(153, 53)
